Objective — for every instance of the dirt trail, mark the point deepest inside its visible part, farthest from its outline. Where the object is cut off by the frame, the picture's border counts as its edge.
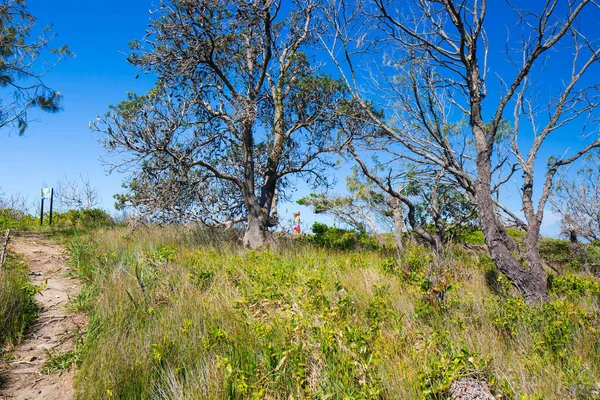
(55, 329)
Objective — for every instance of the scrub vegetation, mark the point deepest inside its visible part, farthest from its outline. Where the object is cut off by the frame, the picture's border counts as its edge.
(183, 313)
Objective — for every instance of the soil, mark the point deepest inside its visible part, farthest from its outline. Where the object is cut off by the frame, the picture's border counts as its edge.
(55, 331)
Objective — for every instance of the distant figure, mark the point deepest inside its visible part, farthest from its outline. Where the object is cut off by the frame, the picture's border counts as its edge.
(297, 223)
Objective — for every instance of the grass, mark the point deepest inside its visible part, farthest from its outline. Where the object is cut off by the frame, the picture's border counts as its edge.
(183, 314)
(18, 309)
(17, 306)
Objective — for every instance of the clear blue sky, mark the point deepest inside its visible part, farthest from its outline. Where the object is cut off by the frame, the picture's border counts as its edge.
(62, 145)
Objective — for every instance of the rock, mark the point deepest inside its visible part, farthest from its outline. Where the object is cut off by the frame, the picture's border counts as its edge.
(470, 389)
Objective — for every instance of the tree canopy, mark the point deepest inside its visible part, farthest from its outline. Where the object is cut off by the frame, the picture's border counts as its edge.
(21, 69)
(240, 106)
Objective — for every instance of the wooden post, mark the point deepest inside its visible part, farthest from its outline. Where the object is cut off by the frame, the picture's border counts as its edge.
(42, 213)
(3, 255)
(51, 201)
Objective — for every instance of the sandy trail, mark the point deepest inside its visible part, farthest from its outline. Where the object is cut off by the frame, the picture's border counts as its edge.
(55, 329)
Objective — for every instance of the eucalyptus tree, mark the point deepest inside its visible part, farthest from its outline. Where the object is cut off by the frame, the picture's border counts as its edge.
(433, 63)
(239, 108)
(21, 68)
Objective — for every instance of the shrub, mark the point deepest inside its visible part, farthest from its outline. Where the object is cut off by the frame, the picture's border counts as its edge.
(341, 239)
(10, 218)
(92, 218)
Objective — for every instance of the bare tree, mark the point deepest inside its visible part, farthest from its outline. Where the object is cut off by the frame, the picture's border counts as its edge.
(238, 109)
(21, 71)
(432, 60)
(577, 200)
(13, 206)
(14, 201)
(77, 195)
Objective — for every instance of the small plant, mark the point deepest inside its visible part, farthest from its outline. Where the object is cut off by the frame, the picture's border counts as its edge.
(449, 367)
(66, 360)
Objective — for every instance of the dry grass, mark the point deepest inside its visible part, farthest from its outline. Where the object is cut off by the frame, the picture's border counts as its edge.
(181, 314)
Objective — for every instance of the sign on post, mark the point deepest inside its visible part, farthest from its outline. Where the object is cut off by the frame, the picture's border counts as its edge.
(47, 194)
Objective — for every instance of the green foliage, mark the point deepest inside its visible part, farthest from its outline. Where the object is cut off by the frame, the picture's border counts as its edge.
(363, 209)
(176, 315)
(574, 286)
(450, 365)
(551, 328)
(92, 218)
(10, 219)
(341, 239)
(21, 71)
(72, 219)
(471, 236)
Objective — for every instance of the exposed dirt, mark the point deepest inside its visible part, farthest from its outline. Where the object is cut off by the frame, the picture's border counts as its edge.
(55, 330)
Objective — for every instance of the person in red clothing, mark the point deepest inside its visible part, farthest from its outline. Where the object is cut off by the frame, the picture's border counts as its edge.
(296, 222)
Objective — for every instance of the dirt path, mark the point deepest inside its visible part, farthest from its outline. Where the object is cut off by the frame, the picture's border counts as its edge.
(55, 330)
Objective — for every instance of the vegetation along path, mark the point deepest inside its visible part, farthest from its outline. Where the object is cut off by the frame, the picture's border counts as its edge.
(55, 332)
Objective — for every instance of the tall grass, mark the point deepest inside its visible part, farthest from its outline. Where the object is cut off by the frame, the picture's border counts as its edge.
(17, 306)
(180, 314)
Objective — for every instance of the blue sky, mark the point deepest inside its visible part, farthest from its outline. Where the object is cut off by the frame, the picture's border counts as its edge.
(62, 145)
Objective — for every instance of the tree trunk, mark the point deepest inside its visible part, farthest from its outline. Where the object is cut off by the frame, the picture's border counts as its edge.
(532, 281)
(255, 237)
(398, 215)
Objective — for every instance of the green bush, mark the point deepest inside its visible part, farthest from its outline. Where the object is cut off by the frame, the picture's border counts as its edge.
(450, 365)
(550, 328)
(341, 239)
(10, 219)
(574, 286)
(92, 218)
(471, 236)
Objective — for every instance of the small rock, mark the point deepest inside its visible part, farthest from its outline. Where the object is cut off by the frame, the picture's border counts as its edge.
(470, 389)
(30, 358)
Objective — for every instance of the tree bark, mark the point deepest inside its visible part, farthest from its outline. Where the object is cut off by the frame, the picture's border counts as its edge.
(255, 237)
(398, 215)
(531, 282)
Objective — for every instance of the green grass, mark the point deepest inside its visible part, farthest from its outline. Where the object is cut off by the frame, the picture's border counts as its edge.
(17, 306)
(180, 314)
(18, 309)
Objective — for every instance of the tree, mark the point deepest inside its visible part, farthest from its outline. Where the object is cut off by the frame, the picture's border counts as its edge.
(433, 69)
(73, 195)
(238, 109)
(364, 209)
(20, 73)
(577, 200)
(436, 205)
